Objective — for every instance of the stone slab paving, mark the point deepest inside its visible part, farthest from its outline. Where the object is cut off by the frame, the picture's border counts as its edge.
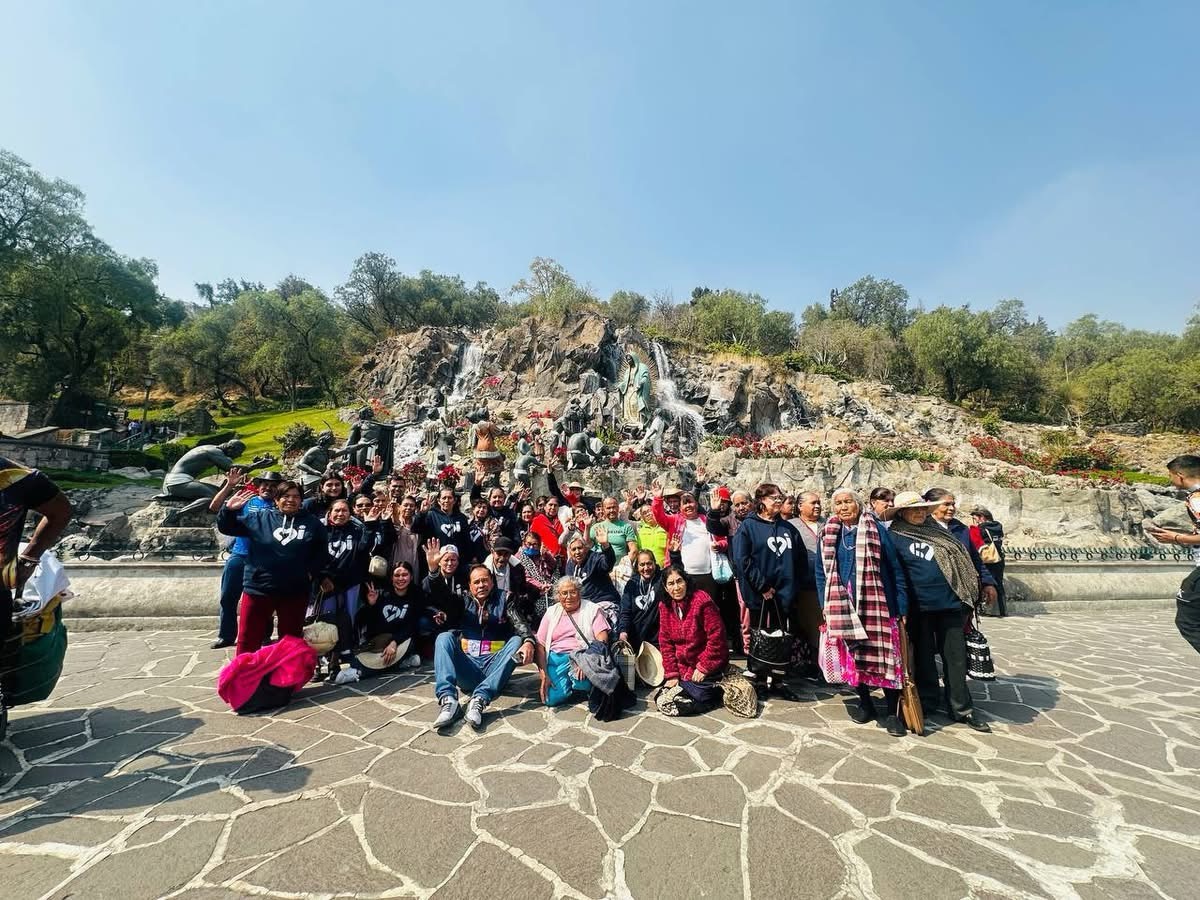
(135, 781)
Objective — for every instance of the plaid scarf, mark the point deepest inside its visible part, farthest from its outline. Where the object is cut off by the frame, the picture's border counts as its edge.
(861, 620)
(950, 555)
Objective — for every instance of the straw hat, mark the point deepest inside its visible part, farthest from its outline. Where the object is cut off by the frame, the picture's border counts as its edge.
(371, 656)
(738, 693)
(912, 500)
(650, 665)
(321, 636)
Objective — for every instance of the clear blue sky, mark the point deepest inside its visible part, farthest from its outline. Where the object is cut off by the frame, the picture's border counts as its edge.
(971, 151)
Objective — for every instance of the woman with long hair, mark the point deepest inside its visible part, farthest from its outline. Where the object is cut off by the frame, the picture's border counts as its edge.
(695, 650)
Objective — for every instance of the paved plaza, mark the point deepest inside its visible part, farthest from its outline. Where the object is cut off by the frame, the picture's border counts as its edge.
(135, 781)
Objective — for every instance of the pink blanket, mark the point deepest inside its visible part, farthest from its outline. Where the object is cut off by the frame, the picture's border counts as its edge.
(288, 663)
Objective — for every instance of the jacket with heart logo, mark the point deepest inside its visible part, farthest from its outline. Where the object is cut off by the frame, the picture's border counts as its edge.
(286, 552)
(769, 554)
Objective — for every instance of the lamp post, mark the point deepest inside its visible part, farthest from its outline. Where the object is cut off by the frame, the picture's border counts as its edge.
(149, 383)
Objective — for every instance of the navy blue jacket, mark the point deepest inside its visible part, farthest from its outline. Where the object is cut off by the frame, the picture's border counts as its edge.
(769, 554)
(286, 552)
(595, 573)
(927, 586)
(639, 609)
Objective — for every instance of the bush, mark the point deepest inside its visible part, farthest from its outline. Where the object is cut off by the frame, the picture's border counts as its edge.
(166, 455)
(120, 459)
(990, 423)
(215, 440)
(298, 438)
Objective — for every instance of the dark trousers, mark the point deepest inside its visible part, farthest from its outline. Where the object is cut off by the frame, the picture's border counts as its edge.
(726, 599)
(1187, 609)
(997, 572)
(254, 618)
(890, 695)
(940, 633)
(231, 593)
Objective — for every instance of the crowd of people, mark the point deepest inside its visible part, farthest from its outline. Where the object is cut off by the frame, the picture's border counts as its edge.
(487, 580)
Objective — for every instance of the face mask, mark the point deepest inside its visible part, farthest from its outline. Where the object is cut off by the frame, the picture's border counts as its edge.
(532, 551)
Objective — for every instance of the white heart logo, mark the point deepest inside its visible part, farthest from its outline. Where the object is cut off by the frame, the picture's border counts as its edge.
(448, 528)
(286, 535)
(779, 545)
(921, 550)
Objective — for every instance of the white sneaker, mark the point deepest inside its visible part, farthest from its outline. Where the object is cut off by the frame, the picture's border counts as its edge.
(348, 675)
(411, 662)
(475, 711)
(449, 711)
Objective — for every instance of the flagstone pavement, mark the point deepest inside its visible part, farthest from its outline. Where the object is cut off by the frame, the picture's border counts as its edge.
(135, 781)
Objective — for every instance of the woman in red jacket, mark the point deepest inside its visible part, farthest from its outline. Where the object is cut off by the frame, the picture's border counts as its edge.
(694, 648)
(547, 527)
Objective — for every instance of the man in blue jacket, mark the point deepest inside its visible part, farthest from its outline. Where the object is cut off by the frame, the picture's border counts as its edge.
(480, 656)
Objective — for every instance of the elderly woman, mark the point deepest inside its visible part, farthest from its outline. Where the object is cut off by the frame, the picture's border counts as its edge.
(570, 624)
(594, 568)
(945, 581)
(540, 568)
(863, 594)
(695, 650)
(638, 621)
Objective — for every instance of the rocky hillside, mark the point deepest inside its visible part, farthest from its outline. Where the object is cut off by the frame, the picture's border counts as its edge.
(806, 430)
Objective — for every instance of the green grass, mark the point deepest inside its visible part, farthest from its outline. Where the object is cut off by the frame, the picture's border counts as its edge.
(257, 430)
(1145, 477)
(72, 480)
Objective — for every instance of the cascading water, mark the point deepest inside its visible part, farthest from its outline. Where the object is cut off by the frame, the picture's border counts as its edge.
(688, 418)
(406, 445)
(469, 370)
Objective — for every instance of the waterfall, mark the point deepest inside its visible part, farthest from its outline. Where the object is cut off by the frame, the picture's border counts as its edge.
(469, 370)
(688, 419)
(406, 445)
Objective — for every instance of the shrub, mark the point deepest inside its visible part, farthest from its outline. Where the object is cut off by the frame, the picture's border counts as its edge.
(166, 455)
(990, 422)
(298, 437)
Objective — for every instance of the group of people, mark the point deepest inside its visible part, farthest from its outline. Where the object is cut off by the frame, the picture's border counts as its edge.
(490, 580)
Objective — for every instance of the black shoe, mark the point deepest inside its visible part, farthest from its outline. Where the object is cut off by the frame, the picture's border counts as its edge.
(779, 689)
(895, 727)
(220, 644)
(861, 714)
(976, 724)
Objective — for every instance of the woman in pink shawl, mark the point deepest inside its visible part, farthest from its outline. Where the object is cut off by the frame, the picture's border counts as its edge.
(862, 592)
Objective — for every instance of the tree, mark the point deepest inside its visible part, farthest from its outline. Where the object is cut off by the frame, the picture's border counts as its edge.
(627, 307)
(873, 302)
(61, 323)
(732, 319)
(39, 218)
(202, 355)
(958, 352)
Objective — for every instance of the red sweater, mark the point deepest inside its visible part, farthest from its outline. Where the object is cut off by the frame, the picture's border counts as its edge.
(691, 634)
(549, 531)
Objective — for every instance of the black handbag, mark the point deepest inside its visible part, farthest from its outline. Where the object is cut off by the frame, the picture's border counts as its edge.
(771, 649)
(979, 656)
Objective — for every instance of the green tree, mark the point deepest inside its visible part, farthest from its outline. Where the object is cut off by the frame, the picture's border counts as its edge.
(627, 307)
(550, 292)
(957, 352)
(872, 302)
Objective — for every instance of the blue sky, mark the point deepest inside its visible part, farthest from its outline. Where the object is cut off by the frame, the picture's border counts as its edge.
(969, 151)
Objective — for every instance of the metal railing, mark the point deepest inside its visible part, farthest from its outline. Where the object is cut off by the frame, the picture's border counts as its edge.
(1096, 554)
(138, 553)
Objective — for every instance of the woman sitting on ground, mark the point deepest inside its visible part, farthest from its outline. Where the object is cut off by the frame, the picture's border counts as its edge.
(695, 650)
(638, 621)
(541, 569)
(385, 625)
(570, 624)
(286, 551)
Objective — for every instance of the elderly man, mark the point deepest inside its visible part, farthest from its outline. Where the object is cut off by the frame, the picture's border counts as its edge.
(622, 536)
(494, 638)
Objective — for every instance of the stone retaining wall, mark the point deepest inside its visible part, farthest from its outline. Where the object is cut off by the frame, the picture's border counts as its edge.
(53, 455)
(182, 595)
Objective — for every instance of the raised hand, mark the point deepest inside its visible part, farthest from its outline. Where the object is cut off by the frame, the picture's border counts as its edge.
(372, 593)
(377, 465)
(433, 552)
(656, 488)
(601, 534)
(235, 476)
(240, 499)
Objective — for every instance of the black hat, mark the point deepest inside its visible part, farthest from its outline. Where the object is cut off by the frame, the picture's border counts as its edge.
(269, 477)
(503, 543)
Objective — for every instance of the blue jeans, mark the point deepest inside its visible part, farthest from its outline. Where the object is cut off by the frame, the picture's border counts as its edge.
(231, 593)
(484, 677)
